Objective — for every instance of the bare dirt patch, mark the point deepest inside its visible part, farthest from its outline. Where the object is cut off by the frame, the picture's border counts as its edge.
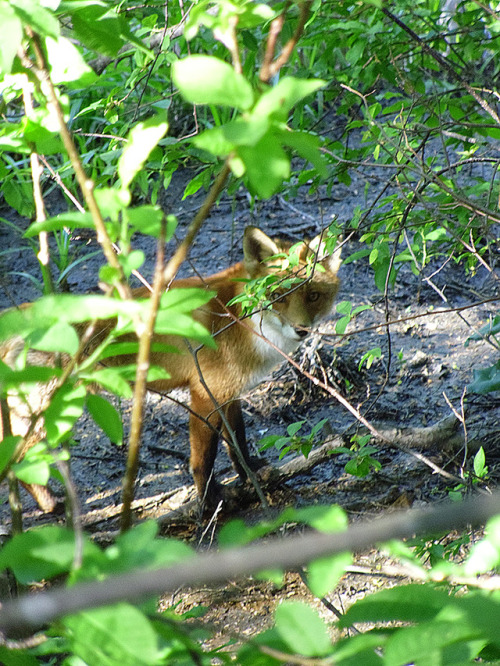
(423, 368)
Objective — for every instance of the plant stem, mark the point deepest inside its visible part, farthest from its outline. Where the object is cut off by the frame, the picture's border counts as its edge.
(86, 184)
(140, 385)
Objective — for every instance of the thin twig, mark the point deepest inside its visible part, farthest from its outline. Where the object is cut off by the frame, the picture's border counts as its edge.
(73, 512)
(43, 254)
(400, 320)
(269, 68)
(182, 251)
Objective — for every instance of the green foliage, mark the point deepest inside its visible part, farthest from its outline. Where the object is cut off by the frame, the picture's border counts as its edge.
(293, 441)
(348, 312)
(487, 380)
(302, 630)
(369, 357)
(361, 461)
(478, 473)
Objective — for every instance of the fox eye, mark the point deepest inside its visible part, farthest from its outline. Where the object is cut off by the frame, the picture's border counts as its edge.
(313, 296)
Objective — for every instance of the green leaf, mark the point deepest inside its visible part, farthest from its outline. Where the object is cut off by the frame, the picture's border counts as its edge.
(185, 299)
(112, 202)
(12, 34)
(324, 574)
(41, 553)
(176, 323)
(39, 132)
(67, 64)
(201, 179)
(486, 380)
(32, 373)
(266, 164)
(63, 412)
(252, 15)
(245, 131)
(110, 379)
(302, 629)
(237, 533)
(9, 657)
(490, 328)
(479, 462)
(16, 143)
(60, 337)
(205, 79)
(131, 349)
(445, 642)
(362, 649)
(141, 141)
(34, 468)
(119, 634)
(70, 308)
(70, 220)
(324, 518)
(7, 448)
(140, 549)
(147, 220)
(155, 373)
(214, 141)
(406, 603)
(307, 146)
(99, 28)
(106, 417)
(278, 101)
(34, 14)
(485, 555)
(294, 428)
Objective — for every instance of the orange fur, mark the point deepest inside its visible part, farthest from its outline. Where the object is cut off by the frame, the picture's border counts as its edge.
(243, 356)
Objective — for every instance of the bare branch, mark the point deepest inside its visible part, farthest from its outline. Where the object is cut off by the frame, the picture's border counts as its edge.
(270, 68)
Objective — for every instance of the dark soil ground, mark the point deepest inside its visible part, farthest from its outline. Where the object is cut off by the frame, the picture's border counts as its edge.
(424, 368)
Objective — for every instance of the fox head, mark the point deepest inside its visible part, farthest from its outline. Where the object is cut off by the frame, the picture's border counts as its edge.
(303, 285)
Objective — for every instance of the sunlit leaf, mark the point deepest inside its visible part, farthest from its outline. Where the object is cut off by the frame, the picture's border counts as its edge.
(61, 337)
(66, 63)
(205, 79)
(40, 553)
(64, 410)
(141, 141)
(119, 634)
(12, 33)
(106, 417)
(302, 629)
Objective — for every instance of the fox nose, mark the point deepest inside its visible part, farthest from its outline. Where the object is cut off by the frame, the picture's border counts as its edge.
(301, 332)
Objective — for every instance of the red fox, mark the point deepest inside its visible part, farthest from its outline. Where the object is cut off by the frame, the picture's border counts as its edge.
(247, 348)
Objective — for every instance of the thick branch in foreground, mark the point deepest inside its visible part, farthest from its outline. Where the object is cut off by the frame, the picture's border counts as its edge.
(33, 611)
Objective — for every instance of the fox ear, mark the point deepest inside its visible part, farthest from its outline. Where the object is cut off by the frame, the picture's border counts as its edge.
(331, 261)
(257, 247)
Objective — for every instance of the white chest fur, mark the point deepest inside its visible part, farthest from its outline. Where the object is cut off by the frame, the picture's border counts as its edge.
(271, 333)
